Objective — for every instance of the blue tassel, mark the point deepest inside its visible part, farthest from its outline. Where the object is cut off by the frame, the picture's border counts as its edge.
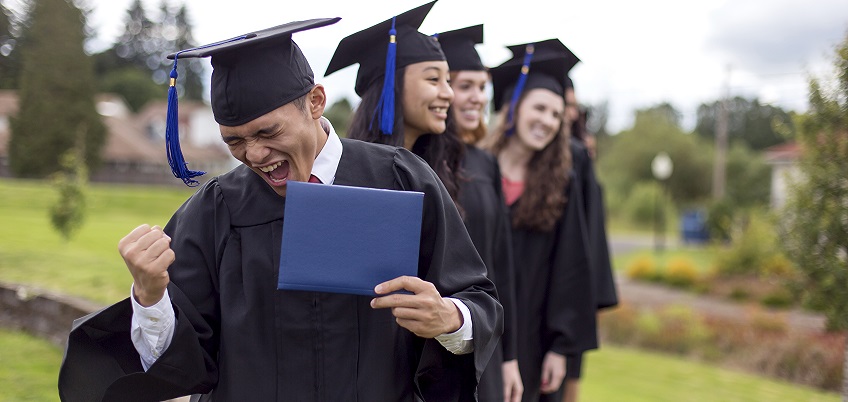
(519, 88)
(172, 136)
(386, 105)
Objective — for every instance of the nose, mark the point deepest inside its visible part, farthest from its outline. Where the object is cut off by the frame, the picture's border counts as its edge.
(255, 152)
(478, 96)
(446, 92)
(550, 120)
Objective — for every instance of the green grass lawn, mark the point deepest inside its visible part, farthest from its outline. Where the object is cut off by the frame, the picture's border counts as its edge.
(32, 252)
(30, 367)
(614, 374)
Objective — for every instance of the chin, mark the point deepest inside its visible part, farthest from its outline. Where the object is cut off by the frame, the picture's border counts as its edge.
(438, 128)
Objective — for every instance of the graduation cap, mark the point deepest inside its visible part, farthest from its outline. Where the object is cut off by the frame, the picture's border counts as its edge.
(535, 65)
(382, 49)
(252, 75)
(458, 46)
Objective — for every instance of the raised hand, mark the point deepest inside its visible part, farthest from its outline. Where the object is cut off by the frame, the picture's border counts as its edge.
(147, 253)
(425, 312)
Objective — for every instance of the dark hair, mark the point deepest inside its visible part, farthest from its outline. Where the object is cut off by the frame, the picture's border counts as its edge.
(543, 201)
(443, 152)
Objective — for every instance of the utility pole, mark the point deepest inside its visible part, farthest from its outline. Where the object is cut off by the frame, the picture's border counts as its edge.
(720, 162)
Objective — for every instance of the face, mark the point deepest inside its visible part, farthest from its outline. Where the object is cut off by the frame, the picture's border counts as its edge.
(469, 89)
(427, 95)
(539, 117)
(278, 146)
(572, 111)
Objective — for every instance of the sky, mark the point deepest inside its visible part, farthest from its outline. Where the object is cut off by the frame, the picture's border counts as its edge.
(634, 54)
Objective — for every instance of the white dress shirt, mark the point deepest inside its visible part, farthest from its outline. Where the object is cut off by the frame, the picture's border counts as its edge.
(152, 328)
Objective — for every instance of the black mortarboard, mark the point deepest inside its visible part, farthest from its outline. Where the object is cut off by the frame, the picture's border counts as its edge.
(382, 49)
(458, 46)
(535, 65)
(252, 74)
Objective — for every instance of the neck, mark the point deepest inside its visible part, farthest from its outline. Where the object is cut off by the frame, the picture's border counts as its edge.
(514, 158)
(410, 135)
(322, 133)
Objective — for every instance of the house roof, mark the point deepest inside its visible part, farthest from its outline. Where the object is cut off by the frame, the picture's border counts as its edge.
(782, 153)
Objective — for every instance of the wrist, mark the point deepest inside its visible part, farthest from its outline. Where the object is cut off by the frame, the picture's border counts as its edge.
(147, 299)
(455, 321)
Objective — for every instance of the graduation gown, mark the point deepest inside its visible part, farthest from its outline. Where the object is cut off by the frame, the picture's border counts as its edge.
(595, 211)
(241, 339)
(554, 298)
(487, 221)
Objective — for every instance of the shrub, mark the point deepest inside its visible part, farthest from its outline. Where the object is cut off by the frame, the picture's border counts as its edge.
(643, 268)
(681, 272)
(751, 248)
(779, 298)
(645, 201)
(739, 294)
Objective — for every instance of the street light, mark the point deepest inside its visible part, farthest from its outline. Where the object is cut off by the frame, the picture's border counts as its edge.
(662, 168)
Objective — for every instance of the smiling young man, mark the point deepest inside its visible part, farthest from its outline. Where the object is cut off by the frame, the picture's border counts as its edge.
(205, 315)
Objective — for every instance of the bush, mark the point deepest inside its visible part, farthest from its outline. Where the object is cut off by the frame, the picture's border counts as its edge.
(780, 298)
(643, 268)
(755, 244)
(681, 272)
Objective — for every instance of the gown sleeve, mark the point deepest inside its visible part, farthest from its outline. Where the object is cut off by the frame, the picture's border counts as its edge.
(100, 362)
(571, 310)
(449, 260)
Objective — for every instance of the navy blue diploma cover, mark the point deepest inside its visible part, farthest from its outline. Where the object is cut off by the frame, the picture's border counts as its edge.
(343, 239)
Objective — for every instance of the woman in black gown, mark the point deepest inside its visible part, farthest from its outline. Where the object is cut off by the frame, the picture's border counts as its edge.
(554, 292)
(481, 198)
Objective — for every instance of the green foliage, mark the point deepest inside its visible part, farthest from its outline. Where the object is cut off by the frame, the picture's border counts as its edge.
(780, 298)
(748, 178)
(133, 84)
(750, 123)
(646, 205)
(720, 219)
(815, 230)
(340, 113)
(626, 159)
(68, 213)
(56, 95)
(642, 268)
(753, 246)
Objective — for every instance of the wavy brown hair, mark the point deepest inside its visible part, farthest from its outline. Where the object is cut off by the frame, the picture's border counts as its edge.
(543, 202)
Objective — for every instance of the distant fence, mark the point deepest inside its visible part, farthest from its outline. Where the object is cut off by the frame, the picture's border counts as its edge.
(44, 314)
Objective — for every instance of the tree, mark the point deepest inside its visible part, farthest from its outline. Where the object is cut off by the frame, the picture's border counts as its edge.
(340, 113)
(68, 213)
(190, 82)
(56, 95)
(816, 219)
(754, 124)
(627, 159)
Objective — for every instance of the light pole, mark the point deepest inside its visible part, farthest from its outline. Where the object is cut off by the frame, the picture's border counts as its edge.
(662, 168)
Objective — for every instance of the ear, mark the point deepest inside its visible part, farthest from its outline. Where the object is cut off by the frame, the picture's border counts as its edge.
(316, 101)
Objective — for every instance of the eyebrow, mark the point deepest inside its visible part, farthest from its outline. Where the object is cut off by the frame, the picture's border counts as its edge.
(265, 130)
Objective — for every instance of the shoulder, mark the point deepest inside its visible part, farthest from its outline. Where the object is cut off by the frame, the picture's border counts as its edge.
(479, 163)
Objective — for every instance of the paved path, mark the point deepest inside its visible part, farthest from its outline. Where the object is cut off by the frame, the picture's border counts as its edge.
(648, 295)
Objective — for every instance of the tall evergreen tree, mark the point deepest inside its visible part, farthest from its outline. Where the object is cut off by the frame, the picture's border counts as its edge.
(56, 94)
(190, 83)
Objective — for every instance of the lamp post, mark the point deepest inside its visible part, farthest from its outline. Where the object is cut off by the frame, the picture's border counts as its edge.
(662, 168)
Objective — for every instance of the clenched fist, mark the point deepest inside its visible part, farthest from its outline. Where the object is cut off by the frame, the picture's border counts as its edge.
(147, 253)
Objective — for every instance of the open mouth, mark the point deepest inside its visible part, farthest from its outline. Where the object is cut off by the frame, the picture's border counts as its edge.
(440, 111)
(277, 173)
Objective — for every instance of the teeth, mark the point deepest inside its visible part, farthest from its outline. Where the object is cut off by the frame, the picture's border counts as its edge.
(268, 169)
(440, 109)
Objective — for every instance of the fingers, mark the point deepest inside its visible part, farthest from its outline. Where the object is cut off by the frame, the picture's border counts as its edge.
(397, 300)
(411, 283)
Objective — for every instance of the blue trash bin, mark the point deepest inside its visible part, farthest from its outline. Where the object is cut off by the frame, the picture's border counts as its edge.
(693, 227)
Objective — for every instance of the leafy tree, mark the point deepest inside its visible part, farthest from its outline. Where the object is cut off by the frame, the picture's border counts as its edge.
(816, 218)
(754, 124)
(56, 95)
(748, 178)
(68, 213)
(133, 84)
(190, 82)
(627, 158)
(340, 113)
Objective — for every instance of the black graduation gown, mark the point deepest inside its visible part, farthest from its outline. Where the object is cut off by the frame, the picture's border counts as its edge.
(242, 339)
(487, 221)
(595, 210)
(554, 297)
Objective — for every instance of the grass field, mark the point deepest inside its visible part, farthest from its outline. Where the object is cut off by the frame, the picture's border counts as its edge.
(30, 367)
(32, 252)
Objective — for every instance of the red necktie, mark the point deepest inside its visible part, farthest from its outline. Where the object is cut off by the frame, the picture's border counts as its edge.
(314, 179)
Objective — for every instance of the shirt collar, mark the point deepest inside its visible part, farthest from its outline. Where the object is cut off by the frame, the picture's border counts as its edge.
(327, 162)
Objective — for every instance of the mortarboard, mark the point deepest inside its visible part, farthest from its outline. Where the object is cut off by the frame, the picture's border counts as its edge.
(382, 49)
(458, 46)
(535, 65)
(252, 75)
